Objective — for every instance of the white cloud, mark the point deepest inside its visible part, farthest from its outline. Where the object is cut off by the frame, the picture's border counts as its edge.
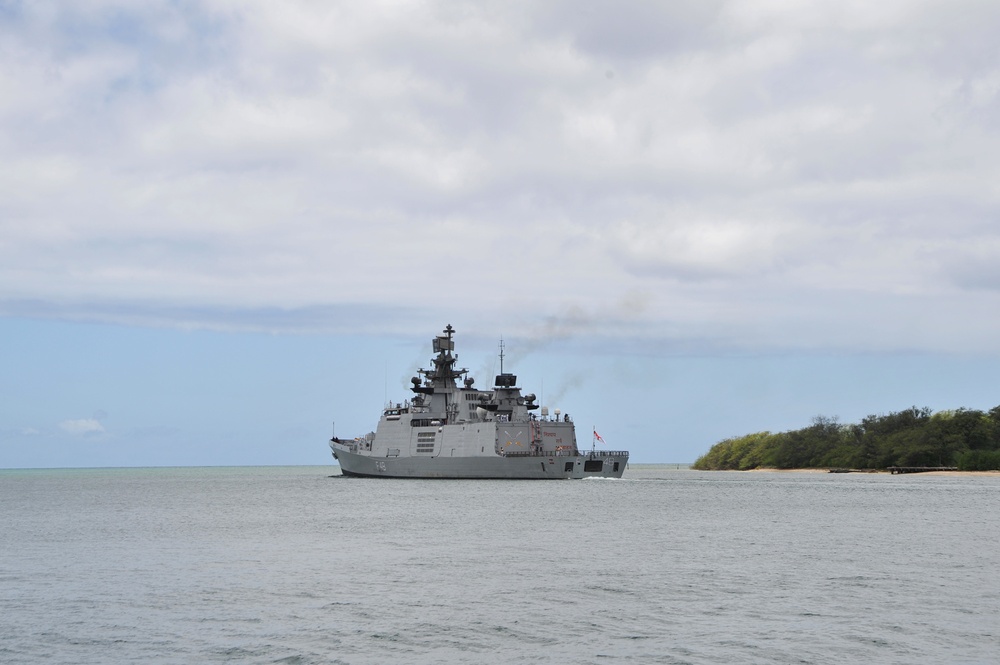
(222, 163)
(82, 426)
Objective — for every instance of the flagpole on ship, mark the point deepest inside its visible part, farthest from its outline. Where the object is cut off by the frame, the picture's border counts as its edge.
(593, 442)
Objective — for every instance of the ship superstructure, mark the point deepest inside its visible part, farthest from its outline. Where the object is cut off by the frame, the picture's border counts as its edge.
(453, 430)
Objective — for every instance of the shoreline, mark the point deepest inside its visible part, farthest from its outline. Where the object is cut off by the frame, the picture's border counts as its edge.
(880, 471)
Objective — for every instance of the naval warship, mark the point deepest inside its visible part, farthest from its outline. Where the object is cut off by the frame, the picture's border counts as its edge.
(447, 430)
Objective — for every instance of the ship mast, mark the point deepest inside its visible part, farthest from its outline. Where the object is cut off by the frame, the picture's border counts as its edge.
(439, 383)
(444, 373)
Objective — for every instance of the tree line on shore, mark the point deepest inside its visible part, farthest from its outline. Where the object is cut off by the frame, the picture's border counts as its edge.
(964, 438)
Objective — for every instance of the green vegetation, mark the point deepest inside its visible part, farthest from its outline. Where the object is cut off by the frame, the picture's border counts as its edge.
(965, 438)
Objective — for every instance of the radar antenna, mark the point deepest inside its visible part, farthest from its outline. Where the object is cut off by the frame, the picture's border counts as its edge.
(501, 355)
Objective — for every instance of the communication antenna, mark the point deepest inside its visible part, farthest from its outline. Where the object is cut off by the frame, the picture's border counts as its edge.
(501, 354)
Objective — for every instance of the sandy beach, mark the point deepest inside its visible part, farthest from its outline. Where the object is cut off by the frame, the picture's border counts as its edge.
(922, 473)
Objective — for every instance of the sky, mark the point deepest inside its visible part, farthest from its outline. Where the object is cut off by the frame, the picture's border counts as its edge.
(227, 228)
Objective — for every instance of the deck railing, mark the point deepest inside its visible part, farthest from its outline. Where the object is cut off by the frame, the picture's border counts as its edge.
(566, 453)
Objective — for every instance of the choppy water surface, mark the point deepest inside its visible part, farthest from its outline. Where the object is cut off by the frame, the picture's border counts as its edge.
(289, 565)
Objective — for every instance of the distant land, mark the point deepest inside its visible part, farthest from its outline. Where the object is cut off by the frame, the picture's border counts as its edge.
(964, 438)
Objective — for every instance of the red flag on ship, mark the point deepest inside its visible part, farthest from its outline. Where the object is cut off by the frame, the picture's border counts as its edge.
(598, 436)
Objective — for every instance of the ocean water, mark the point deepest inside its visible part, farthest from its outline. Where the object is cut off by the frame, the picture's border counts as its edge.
(291, 565)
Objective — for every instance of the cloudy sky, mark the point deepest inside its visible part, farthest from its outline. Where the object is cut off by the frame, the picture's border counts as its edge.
(224, 225)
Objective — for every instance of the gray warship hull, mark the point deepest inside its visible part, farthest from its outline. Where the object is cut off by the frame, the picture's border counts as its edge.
(452, 431)
(526, 467)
